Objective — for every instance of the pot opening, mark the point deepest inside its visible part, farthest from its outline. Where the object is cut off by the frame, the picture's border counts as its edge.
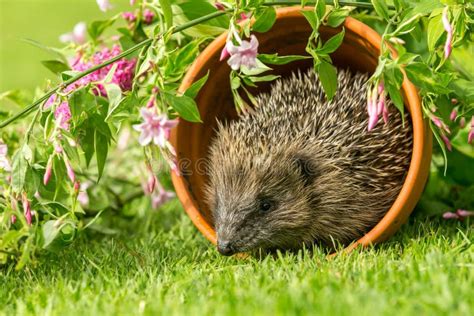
(287, 37)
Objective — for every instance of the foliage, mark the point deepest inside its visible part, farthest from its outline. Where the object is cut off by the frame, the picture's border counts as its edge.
(73, 156)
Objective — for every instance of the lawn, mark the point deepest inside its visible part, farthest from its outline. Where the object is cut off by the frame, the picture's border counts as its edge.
(169, 268)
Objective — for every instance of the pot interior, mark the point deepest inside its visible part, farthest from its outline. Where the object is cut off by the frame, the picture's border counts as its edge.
(287, 37)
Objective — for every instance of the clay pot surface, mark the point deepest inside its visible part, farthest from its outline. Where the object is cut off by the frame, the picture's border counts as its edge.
(359, 51)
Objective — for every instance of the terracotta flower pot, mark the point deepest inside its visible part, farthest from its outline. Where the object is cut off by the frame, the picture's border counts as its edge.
(359, 51)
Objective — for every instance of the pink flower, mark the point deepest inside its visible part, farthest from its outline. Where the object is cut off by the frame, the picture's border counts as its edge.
(161, 197)
(4, 162)
(129, 16)
(460, 215)
(224, 54)
(78, 34)
(219, 6)
(123, 76)
(453, 115)
(376, 105)
(449, 31)
(450, 215)
(243, 16)
(62, 114)
(49, 170)
(446, 141)
(50, 101)
(132, 2)
(462, 122)
(70, 171)
(13, 219)
(463, 213)
(82, 196)
(151, 183)
(470, 136)
(243, 55)
(148, 16)
(154, 128)
(440, 124)
(104, 5)
(26, 209)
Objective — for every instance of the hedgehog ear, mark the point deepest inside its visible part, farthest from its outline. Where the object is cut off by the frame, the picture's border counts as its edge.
(306, 167)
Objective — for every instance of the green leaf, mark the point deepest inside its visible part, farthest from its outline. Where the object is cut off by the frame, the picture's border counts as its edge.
(459, 141)
(167, 13)
(194, 89)
(407, 25)
(320, 9)
(406, 58)
(328, 77)
(114, 94)
(50, 232)
(54, 51)
(263, 78)
(101, 145)
(435, 31)
(259, 69)
(395, 96)
(265, 20)
(87, 142)
(80, 101)
(311, 18)
(184, 106)
(198, 8)
(422, 76)
(19, 168)
(55, 66)
(68, 74)
(332, 44)
(125, 105)
(96, 28)
(381, 8)
(235, 83)
(336, 17)
(424, 7)
(394, 75)
(274, 59)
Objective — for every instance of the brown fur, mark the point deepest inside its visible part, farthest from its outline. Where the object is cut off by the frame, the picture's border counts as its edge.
(326, 178)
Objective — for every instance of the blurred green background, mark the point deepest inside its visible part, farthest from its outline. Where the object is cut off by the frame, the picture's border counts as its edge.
(43, 21)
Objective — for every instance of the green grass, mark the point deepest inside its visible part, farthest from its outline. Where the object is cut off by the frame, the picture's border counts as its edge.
(169, 268)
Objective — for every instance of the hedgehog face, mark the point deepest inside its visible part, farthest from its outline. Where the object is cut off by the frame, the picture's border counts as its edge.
(262, 204)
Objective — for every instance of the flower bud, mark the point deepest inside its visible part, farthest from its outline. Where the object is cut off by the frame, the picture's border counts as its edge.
(219, 6)
(70, 172)
(447, 142)
(453, 115)
(49, 170)
(26, 209)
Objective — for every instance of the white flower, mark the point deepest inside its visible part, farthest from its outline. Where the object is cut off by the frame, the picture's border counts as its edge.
(243, 55)
(78, 34)
(4, 162)
(104, 5)
(154, 128)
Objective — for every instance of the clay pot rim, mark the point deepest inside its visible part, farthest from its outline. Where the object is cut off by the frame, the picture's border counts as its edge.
(421, 141)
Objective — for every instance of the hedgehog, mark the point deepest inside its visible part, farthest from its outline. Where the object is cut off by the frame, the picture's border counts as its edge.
(301, 171)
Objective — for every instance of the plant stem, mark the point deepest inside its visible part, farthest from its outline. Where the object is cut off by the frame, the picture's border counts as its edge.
(140, 45)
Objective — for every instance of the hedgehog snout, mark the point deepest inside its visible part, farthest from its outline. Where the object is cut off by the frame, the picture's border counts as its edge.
(225, 247)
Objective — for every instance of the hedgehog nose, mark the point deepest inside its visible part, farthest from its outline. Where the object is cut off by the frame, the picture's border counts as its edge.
(225, 247)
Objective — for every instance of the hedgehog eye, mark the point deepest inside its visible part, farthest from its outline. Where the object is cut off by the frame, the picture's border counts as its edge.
(266, 205)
